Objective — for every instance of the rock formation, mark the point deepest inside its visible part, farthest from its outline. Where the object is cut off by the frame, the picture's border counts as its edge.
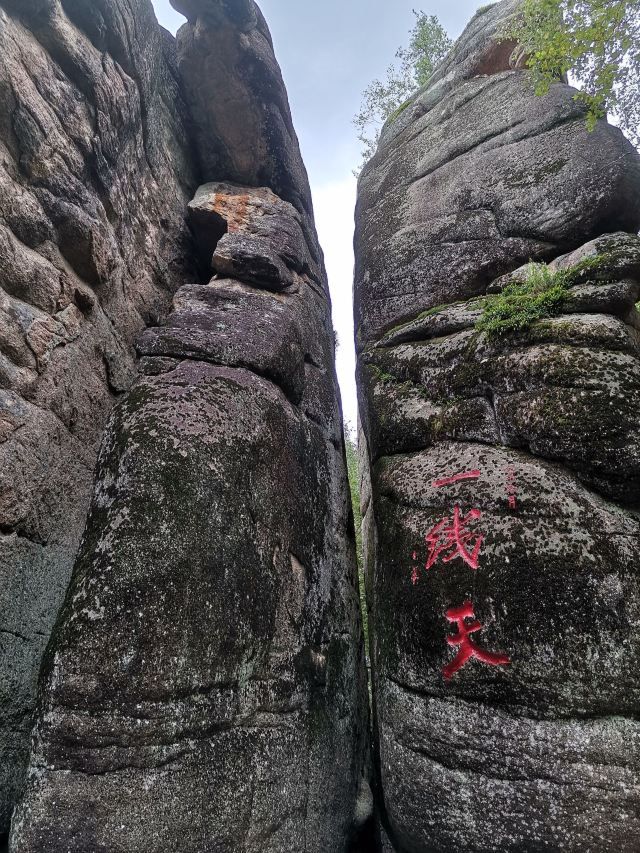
(95, 175)
(204, 687)
(246, 136)
(165, 313)
(500, 522)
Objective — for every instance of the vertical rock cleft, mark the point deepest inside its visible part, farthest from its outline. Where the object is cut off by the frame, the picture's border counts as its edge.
(500, 405)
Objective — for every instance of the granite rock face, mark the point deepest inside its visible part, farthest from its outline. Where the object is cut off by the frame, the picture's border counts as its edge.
(476, 177)
(95, 173)
(247, 135)
(204, 688)
(501, 523)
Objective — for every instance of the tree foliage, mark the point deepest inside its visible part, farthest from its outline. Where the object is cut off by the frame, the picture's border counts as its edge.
(598, 42)
(428, 45)
(354, 485)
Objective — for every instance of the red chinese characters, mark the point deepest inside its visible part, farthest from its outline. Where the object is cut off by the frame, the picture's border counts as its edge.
(511, 487)
(448, 481)
(468, 649)
(454, 537)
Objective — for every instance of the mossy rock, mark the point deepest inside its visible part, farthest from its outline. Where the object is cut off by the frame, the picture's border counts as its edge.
(539, 291)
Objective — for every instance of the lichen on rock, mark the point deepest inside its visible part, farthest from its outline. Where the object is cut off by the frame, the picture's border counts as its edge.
(499, 388)
(204, 686)
(95, 173)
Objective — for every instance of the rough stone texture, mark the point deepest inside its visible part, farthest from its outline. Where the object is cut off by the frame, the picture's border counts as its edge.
(476, 180)
(256, 237)
(476, 177)
(94, 178)
(247, 135)
(204, 688)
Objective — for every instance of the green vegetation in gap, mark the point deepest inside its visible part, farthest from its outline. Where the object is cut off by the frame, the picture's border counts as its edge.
(383, 99)
(520, 304)
(598, 42)
(540, 294)
(354, 484)
(381, 374)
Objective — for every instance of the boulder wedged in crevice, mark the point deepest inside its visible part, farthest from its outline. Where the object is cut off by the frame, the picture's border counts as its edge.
(253, 235)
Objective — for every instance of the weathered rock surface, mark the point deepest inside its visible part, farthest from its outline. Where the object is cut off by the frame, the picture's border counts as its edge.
(204, 688)
(476, 179)
(245, 135)
(528, 739)
(257, 237)
(95, 173)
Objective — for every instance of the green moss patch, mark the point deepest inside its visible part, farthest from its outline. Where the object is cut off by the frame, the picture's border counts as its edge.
(397, 113)
(431, 312)
(542, 293)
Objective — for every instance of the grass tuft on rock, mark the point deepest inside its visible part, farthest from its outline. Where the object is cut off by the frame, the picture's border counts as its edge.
(398, 112)
(521, 304)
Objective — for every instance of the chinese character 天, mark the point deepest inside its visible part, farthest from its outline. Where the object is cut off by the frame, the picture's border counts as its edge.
(467, 648)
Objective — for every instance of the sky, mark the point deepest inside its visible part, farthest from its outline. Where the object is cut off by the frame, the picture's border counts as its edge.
(329, 51)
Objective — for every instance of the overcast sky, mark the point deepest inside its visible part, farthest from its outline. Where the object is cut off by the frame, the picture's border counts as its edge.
(329, 51)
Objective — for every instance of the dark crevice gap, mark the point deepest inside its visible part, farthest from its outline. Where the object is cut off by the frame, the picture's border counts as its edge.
(15, 530)
(208, 229)
(521, 712)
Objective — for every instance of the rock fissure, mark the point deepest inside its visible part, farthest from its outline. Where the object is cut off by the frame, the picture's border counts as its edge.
(517, 713)
(203, 682)
(512, 779)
